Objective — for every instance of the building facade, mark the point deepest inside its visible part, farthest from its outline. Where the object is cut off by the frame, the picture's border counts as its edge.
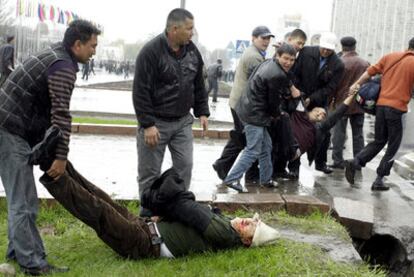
(380, 26)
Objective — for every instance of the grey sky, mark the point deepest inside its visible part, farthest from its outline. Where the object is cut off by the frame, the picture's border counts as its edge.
(217, 21)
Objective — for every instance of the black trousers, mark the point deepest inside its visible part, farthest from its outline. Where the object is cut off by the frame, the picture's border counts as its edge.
(125, 233)
(388, 129)
(234, 146)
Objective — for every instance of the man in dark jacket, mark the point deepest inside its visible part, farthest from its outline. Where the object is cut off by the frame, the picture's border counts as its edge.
(214, 73)
(257, 108)
(318, 72)
(6, 59)
(168, 82)
(34, 97)
(187, 226)
(354, 67)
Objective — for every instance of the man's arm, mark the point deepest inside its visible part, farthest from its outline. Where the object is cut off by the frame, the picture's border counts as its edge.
(61, 81)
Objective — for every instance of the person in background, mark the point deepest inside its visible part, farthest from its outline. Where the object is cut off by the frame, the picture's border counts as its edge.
(214, 73)
(6, 59)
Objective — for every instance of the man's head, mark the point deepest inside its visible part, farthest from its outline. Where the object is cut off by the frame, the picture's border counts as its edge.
(317, 114)
(297, 38)
(327, 44)
(81, 37)
(180, 26)
(348, 44)
(286, 55)
(219, 61)
(253, 232)
(261, 37)
(411, 44)
(10, 39)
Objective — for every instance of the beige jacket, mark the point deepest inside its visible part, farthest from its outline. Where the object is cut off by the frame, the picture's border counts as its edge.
(248, 61)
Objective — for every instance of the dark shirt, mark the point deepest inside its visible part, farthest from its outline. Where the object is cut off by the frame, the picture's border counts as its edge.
(303, 130)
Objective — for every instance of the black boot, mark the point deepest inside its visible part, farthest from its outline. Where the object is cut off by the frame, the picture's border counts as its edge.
(379, 184)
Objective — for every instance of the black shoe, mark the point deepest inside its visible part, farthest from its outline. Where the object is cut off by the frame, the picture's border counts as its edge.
(46, 270)
(350, 171)
(236, 186)
(220, 172)
(324, 168)
(283, 175)
(379, 184)
(270, 184)
(339, 165)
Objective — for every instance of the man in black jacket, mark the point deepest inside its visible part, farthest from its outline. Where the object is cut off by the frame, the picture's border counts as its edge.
(257, 108)
(33, 98)
(6, 59)
(318, 71)
(168, 82)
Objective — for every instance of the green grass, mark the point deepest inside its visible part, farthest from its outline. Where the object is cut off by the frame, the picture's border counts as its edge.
(94, 120)
(75, 245)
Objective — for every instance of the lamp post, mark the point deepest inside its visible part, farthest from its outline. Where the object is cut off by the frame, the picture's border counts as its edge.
(182, 5)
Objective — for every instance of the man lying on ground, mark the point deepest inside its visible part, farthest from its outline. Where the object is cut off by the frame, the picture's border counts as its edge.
(187, 226)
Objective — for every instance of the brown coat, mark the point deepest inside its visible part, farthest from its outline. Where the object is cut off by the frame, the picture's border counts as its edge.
(354, 68)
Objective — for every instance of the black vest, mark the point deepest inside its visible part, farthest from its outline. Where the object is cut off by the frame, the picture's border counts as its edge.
(24, 97)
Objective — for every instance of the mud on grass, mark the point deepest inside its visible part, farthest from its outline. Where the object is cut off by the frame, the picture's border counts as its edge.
(75, 245)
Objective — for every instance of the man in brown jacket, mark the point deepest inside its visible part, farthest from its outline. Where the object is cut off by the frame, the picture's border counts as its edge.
(354, 67)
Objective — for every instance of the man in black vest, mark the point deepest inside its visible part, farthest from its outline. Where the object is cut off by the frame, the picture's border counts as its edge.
(35, 97)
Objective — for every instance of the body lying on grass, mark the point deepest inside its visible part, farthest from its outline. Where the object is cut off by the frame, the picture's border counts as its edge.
(187, 226)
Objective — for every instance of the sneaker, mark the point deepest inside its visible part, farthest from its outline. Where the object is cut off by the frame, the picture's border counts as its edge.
(46, 270)
(236, 186)
(350, 171)
(379, 185)
(270, 184)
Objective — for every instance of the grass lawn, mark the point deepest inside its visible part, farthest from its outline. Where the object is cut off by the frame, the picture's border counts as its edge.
(71, 243)
(94, 120)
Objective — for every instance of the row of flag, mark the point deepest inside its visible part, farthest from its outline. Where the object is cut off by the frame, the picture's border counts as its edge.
(33, 9)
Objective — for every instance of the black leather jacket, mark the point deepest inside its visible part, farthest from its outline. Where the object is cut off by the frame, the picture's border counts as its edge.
(318, 84)
(267, 84)
(166, 85)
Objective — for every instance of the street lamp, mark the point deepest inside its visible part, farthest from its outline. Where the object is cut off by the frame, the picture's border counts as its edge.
(182, 5)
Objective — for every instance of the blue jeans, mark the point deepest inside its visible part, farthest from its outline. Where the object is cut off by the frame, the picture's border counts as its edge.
(258, 146)
(25, 243)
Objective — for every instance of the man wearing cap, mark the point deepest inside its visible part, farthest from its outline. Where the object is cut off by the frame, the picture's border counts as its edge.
(354, 67)
(252, 56)
(397, 81)
(187, 226)
(318, 72)
(6, 59)
(214, 73)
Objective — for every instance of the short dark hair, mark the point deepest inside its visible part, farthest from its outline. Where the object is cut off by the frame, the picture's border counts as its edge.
(298, 33)
(286, 48)
(177, 16)
(9, 38)
(411, 44)
(79, 30)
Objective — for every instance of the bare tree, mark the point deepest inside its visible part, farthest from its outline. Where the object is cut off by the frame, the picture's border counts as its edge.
(6, 18)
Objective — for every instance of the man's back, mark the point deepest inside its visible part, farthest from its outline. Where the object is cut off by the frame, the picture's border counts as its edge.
(398, 80)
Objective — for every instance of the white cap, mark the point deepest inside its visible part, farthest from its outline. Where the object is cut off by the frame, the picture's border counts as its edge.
(264, 234)
(328, 40)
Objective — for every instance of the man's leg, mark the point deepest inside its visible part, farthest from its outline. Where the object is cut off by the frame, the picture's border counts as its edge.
(181, 148)
(115, 225)
(254, 137)
(394, 125)
(215, 89)
(17, 176)
(357, 125)
(150, 160)
(265, 159)
(234, 146)
(322, 155)
(338, 141)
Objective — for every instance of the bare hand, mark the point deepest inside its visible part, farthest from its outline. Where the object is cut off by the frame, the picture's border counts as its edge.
(204, 123)
(151, 136)
(57, 169)
(294, 92)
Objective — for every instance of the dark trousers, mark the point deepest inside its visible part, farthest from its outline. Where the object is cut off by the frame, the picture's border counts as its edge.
(339, 136)
(125, 233)
(234, 146)
(388, 129)
(213, 85)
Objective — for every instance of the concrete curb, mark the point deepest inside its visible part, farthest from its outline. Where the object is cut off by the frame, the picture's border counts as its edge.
(125, 130)
(404, 166)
